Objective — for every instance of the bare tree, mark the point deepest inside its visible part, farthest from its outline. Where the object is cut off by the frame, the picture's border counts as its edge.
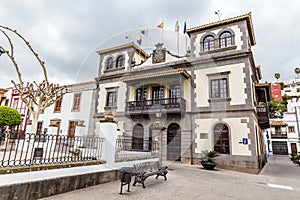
(40, 95)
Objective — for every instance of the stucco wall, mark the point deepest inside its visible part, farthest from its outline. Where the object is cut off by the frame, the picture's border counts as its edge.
(235, 82)
(237, 131)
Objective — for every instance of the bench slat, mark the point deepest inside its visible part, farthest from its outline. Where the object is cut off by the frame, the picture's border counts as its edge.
(147, 169)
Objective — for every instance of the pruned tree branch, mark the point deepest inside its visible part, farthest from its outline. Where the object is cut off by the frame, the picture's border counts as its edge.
(42, 63)
(36, 96)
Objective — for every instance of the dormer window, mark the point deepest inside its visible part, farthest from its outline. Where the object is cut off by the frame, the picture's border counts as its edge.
(208, 43)
(109, 63)
(120, 61)
(225, 39)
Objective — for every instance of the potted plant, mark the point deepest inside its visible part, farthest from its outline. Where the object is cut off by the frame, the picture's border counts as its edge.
(295, 158)
(292, 156)
(208, 162)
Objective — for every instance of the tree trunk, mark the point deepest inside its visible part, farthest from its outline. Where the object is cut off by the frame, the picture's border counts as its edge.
(35, 118)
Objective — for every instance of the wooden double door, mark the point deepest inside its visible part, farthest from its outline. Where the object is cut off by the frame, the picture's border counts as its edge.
(174, 142)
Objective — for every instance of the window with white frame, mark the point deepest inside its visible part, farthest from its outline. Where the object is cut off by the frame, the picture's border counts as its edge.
(57, 106)
(76, 102)
(109, 63)
(225, 39)
(120, 61)
(291, 129)
(111, 99)
(218, 86)
(208, 43)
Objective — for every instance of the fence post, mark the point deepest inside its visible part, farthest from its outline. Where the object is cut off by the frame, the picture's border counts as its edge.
(108, 130)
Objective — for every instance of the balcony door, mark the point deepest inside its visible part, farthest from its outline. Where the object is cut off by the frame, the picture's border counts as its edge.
(157, 94)
(174, 93)
(141, 96)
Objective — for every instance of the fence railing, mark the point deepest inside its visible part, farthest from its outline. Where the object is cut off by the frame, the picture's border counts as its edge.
(132, 148)
(49, 149)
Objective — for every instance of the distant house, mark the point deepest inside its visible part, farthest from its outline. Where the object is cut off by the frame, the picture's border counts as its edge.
(283, 136)
(12, 99)
(209, 99)
(292, 88)
(72, 114)
(276, 91)
(3, 97)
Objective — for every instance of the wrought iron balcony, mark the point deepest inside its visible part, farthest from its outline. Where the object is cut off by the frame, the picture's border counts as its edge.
(263, 116)
(279, 134)
(171, 105)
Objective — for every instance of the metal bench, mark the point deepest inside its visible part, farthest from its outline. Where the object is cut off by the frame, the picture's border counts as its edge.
(144, 170)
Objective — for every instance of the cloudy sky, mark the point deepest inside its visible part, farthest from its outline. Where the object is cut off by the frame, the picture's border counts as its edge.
(66, 34)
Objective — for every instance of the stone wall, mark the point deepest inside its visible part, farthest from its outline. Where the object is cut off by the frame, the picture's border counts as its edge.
(44, 188)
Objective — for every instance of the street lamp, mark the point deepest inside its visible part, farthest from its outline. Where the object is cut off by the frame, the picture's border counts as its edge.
(159, 125)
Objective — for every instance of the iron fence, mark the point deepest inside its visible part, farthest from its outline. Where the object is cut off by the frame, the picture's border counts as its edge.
(48, 149)
(133, 148)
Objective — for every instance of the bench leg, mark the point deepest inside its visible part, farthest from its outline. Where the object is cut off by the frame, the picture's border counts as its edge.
(135, 181)
(121, 188)
(165, 177)
(128, 189)
(143, 184)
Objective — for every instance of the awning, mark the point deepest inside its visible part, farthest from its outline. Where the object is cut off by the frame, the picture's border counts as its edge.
(278, 123)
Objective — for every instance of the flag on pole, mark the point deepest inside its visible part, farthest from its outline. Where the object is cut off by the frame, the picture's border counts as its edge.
(177, 26)
(139, 40)
(161, 25)
(184, 28)
(144, 31)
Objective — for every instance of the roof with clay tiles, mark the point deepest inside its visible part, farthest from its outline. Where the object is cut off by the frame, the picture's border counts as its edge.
(246, 17)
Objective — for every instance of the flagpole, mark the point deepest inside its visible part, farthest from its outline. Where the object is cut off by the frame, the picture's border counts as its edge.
(177, 30)
(178, 43)
(184, 31)
(185, 42)
(162, 33)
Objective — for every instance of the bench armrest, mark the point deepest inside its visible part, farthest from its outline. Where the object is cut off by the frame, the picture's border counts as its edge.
(163, 168)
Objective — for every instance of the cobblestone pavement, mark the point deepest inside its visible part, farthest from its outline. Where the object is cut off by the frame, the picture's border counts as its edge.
(280, 179)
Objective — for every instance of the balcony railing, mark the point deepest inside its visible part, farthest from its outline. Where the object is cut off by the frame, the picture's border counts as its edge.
(171, 105)
(128, 148)
(279, 134)
(263, 116)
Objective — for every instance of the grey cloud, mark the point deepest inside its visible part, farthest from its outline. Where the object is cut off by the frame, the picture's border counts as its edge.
(67, 34)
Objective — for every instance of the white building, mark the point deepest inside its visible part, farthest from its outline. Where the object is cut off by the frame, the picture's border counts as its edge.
(292, 88)
(71, 115)
(283, 135)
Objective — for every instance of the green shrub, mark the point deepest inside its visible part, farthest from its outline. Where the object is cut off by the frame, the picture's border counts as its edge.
(9, 116)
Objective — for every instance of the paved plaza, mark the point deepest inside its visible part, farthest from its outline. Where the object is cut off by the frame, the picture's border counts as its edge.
(278, 180)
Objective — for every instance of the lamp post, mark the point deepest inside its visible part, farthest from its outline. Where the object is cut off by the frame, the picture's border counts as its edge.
(158, 125)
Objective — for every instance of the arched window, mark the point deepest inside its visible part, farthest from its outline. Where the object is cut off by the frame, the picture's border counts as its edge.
(120, 61)
(208, 43)
(225, 39)
(109, 63)
(221, 138)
